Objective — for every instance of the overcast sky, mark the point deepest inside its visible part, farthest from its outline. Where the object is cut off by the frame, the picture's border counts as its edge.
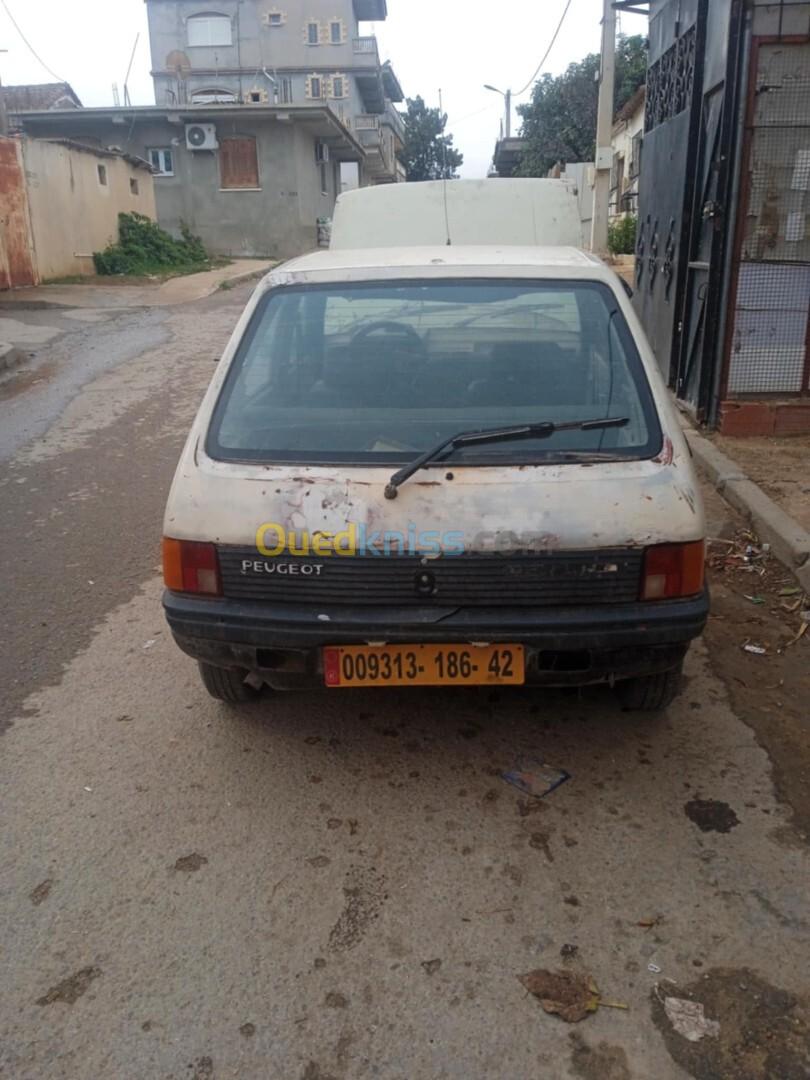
(457, 45)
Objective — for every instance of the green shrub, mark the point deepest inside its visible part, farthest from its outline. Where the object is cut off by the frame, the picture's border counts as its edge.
(622, 236)
(144, 248)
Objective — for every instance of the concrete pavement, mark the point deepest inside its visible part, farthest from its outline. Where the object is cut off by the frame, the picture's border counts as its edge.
(120, 295)
(341, 885)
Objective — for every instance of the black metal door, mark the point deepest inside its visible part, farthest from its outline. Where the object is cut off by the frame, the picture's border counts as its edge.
(666, 190)
(700, 338)
(707, 216)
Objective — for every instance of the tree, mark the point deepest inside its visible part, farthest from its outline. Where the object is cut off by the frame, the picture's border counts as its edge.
(559, 124)
(429, 153)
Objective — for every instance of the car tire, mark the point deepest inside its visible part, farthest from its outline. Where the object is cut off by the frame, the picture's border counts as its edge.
(650, 693)
(227, 684)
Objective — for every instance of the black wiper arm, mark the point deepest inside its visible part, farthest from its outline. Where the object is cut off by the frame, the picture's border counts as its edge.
(543, 430)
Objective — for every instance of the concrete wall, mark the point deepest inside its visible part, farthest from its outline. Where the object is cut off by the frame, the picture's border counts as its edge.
(581, 174)
(72, 213)
(277, 220)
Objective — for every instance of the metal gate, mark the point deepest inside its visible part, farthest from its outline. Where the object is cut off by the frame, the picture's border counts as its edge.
(677, 30)
(768, 345)
(710, 215)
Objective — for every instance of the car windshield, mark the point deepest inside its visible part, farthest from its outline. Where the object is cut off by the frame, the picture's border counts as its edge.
(374, 373)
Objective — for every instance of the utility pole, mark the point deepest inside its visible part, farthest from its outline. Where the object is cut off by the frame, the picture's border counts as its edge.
(604, 133)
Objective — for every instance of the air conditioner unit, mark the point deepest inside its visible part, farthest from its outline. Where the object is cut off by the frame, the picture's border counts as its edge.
(201, 137)
(321, 153)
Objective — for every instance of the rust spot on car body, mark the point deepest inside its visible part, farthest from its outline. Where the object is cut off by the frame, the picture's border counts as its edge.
(667, 452)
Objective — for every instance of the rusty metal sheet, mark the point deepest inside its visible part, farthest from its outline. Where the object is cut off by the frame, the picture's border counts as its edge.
(16, 259)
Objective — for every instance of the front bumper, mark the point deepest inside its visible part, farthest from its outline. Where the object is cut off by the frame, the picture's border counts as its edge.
(564, 646)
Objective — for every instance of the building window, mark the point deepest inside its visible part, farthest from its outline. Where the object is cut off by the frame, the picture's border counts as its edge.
(338, 86)
(257, 97)
(209, 31)
(315, 87)
(275, 18)
(214, 96)
(615, 171)
(134, 189)
(313, 33)
(336, 32)
(635, 159)
(324, 178)
(102, 175)
(162, 161)
(285, 90)
(238, 163)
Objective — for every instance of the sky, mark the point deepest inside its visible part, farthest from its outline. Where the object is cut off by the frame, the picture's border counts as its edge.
(452, 45)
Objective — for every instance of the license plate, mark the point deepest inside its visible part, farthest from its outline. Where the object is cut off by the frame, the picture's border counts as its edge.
(423, 665)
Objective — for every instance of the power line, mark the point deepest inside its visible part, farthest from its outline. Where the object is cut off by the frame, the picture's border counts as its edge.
(548, 50)
(469, 116)
(31, 48)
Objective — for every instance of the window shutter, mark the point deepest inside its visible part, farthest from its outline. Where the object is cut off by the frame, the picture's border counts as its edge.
(238, 163)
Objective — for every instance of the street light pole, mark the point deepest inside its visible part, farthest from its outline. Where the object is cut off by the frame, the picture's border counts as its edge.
(604, 133)
(507, 97)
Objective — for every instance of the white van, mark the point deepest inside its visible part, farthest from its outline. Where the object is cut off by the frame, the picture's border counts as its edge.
(437, 466)
(479, 212)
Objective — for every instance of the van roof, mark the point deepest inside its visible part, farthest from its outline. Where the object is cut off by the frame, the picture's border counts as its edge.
(400, 262)
(475, 212)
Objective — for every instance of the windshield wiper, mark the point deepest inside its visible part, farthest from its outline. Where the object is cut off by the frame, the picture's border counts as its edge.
(543, 430)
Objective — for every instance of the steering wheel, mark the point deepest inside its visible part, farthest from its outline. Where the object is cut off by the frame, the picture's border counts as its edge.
(399, 329)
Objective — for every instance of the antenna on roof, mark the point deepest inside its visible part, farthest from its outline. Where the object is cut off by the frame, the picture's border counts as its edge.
(129, 69)
(444, 173)
(116, 95)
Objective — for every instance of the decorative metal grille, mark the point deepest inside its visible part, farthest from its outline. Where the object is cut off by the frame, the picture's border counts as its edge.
(769, 351)
(670, 81)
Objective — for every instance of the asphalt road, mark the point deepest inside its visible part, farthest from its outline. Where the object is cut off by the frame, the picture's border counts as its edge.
(341, 885)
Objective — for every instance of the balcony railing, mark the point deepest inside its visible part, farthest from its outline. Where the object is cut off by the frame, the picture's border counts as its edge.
(366, 46)
(393, 117)
(365, 122)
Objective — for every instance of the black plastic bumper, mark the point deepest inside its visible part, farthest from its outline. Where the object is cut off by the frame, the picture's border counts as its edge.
(563, 645)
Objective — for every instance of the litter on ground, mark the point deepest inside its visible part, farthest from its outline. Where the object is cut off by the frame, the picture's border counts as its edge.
(535, 778)
(688, 1019)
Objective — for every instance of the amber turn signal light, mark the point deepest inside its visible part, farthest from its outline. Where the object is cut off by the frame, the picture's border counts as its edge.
(673, 570)
(191, 567)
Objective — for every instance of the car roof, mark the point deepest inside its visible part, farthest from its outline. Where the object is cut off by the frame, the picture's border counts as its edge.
(459, 256)
(436, 263)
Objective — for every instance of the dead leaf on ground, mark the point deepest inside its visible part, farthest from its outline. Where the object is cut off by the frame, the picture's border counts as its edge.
(570, 996)
(798, 637)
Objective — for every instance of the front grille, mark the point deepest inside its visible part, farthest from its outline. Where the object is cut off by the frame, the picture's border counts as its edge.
(548, 579)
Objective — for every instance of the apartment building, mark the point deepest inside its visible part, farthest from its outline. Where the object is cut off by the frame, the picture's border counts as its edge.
(261, 108)
(291, 52)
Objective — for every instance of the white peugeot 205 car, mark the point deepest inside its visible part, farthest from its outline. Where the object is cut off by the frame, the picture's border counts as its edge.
(443, 466)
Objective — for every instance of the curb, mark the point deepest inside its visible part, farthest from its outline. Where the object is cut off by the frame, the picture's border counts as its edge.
(240, 279)
(790, 543)
(10, 356)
